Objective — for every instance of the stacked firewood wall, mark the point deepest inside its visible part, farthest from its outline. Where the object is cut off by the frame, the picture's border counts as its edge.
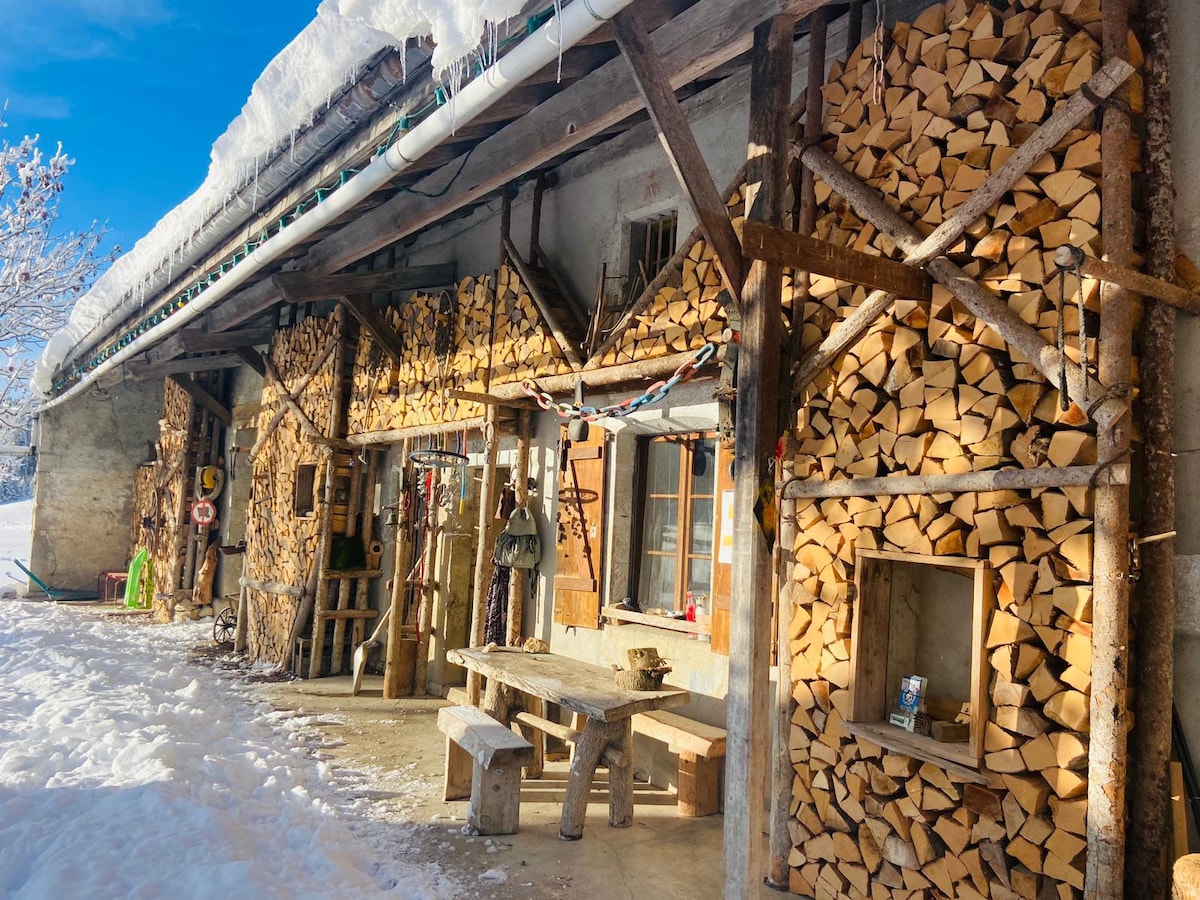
(160, 491)
(280, 545)
(930, 390)
(490, 337)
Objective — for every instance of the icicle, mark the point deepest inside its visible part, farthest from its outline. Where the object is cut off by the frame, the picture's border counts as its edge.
(254, 198)
(292, 151)
(558, 21)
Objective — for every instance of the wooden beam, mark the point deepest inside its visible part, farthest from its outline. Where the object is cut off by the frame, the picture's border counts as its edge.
(1064, 118)
(626, 374)
(243, 305)
(1150, 791)
(1108, 751)
(967, 482)
(204, 398)
(301, 287)
(395, 435)
(376, 325)
(570, 351)
(809, 254)
(518, 583)
(198, 340)
(491, 399)
(139, 370)
(675, 135)
(252, 358)
(697, 41)
(981, 302)
(1134, 281)
(748, 701)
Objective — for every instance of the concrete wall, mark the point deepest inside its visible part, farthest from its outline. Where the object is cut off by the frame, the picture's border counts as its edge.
(1185, 87)
(87, 453)
(244, 399)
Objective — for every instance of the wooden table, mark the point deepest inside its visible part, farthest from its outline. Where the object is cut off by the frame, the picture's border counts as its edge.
(588, 690)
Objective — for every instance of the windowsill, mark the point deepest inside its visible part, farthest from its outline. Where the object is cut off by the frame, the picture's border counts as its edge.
(620, 616)
(954, 758)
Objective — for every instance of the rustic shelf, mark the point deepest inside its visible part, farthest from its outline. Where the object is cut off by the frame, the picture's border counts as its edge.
(620, 615)
(954, 758)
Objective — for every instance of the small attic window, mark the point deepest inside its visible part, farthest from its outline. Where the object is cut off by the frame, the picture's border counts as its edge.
(651, 246)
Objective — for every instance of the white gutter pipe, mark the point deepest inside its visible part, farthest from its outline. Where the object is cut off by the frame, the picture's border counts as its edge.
(558, 34)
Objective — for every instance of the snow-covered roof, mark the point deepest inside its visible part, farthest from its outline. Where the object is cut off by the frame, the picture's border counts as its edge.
(292, 90)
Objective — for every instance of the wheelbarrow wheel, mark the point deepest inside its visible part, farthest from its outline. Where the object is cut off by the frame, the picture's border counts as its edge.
(225, 626)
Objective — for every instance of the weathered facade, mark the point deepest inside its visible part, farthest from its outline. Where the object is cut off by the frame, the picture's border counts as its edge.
(948, 496)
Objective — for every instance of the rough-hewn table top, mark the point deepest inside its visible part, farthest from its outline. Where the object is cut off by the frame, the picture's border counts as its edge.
(579, 686)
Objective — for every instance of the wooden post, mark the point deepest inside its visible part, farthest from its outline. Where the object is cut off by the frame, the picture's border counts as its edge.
(401, 562)
(782, 771)
(1110, 648)
(518, 584)
(756, 432)
(1154, 671)
(486, 540)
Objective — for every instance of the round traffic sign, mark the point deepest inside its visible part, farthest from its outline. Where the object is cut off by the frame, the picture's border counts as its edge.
(204, 512)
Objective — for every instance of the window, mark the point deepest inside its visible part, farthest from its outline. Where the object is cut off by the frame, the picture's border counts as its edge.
(925, 616)
(678, 516)
(305, 501)
(651, 245)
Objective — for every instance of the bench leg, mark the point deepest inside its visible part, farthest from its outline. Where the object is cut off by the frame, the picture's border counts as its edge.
(697, 785)
(458, 772)
(495, 806)
(537, 706)
(620, 777)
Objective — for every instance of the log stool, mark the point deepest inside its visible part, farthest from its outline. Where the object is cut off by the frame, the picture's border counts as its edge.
(483, 760)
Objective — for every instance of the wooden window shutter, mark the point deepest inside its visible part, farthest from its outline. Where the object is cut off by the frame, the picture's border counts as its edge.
(578, 575)
(722, 571)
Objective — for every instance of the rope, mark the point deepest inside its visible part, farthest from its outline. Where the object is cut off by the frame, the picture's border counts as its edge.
(652, 394)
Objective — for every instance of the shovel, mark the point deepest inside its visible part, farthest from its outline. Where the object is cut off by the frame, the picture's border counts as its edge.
(361, 651)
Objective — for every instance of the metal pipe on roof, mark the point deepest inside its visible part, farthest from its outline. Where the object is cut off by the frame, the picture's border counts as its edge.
(561, 32)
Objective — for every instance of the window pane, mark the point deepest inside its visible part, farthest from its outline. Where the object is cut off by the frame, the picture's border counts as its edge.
(662, 468)
(704, 466)
(701, 543)
(700, 578)
(662, 525)
(657, 589)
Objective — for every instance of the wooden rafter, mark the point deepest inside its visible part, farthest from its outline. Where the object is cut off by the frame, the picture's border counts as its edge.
(300, 287)
(675, 135)
(141, 370)
(253, 359)
(204, 398)
(809, 254)
(377, 326)
(197, 340)
(548, 313)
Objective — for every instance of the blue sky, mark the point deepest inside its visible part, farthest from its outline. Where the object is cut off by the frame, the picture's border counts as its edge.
(136, 91)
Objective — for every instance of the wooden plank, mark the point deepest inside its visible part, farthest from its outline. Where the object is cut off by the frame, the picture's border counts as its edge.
(579, 686)
(756, 431)
(619, 614)
(956, 762)
(579, 550)
(489, 743)
(139, 370)
(204, 398)
(1137, 282)
(301, 287)
(869, 639)
(337, 615)
(252, 358)
(694, 43)
(675, 135)
(995, 480)
(359, 305)
(809, 254)
(197, 340)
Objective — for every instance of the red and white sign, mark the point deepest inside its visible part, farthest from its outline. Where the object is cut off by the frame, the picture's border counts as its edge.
(204, 512)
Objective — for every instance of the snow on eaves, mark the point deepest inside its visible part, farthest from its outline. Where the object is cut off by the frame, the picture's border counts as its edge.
(293, 89)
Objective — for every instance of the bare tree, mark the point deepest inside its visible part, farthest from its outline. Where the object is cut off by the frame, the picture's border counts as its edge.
(42, 268)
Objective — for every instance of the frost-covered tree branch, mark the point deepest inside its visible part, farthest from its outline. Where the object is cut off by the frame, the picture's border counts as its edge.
(42, 269)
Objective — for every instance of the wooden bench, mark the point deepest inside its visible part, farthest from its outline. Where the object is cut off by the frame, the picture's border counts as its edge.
(699, 747)
(483, 761)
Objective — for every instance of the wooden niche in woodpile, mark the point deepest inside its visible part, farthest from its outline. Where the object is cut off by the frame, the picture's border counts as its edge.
(988, 594)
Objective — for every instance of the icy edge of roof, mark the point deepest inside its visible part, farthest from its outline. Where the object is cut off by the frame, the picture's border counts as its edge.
(292, 90)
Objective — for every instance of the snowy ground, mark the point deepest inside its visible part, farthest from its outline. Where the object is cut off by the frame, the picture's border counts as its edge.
(130, 769)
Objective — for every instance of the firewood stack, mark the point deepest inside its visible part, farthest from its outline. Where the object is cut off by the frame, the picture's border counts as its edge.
(388, 397)
(160, 491)
(280, 546)
(930, 390)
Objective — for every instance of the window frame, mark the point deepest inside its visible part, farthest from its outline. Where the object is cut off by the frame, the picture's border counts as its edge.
(684, 496)
(869, 692)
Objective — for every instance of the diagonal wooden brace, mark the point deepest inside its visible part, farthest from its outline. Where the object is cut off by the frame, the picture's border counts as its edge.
(919, 252)
(286, 395)
(981, 302)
